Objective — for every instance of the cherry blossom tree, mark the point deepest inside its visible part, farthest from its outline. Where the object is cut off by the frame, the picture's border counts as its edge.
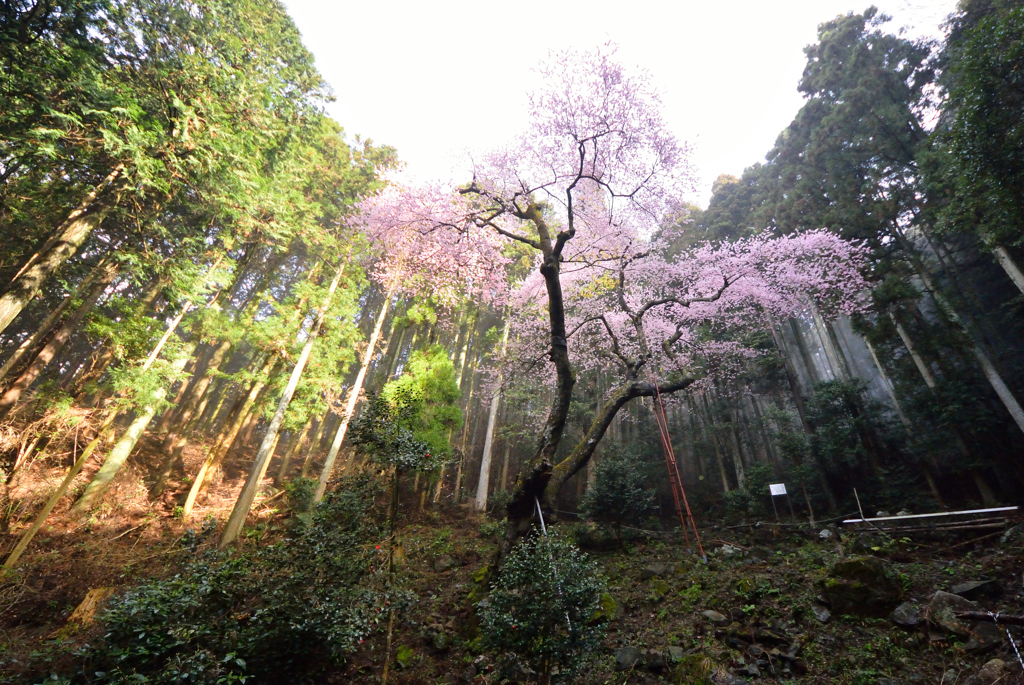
(584, 187)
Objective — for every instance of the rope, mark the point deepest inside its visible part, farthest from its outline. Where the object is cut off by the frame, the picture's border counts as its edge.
(544, 530)
(675, 481)
(995, 619)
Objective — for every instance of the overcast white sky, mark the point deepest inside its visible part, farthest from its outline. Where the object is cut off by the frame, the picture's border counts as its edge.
(436, 78)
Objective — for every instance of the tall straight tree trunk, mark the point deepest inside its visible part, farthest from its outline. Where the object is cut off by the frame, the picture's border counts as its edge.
(55, 344)
(223, 443)
(709, 424)
(199, 389)
(62, 245)
(1009, 266)
(289, 455)
(314, 445)
(57, 495)
(353, 397)
(922, 368)
(465, 433)
(988, 369)
(465, 337)
(41, 331)
(259, 467)
(483, 483)
(123, 448)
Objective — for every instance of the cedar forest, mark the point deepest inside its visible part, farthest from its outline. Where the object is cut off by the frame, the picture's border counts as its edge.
(271, 413)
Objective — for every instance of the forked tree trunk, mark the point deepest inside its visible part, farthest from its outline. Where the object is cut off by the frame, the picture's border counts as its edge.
(62, 245)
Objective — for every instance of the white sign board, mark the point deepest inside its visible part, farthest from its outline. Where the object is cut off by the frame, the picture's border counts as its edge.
(777, 489)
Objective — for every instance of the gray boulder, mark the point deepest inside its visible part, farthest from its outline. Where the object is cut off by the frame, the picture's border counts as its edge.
(946, 600)
(626, 658)
(984, 636)
(718, 620)
(941, 612)
(906, 615)
(655, 571)
(978, 589)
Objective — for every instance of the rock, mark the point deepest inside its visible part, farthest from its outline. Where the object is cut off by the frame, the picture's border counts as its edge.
(756, 651)
(751, 671)
(675, 654)
(729, 550)
(659, 587)
(655, 571)
(723, 677)
(441, 641)
(607, 610)
(825, 534)
(949, 677)
(770, 637)
(626, 658)
(984, 636)
(903, 512)
(862, 586)
(445, 564)
(882, 514)
(995, 671)
(653, 661)
(718, 620)
(945, 600)
(821, 613)
(941, 608)
(978, 589)
(906, 615)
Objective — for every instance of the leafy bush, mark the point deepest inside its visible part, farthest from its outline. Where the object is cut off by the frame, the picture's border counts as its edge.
(278, 614)
(539, 612)
(617, 494)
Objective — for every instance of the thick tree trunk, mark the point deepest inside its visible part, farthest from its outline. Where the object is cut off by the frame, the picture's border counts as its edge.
(584, 450)
(259, 467)
(62, 245)
(55, 344)
(353, 399)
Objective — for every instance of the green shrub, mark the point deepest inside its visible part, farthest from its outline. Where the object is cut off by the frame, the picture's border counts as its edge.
(538, 615)
(278, 614)
(617, 494)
